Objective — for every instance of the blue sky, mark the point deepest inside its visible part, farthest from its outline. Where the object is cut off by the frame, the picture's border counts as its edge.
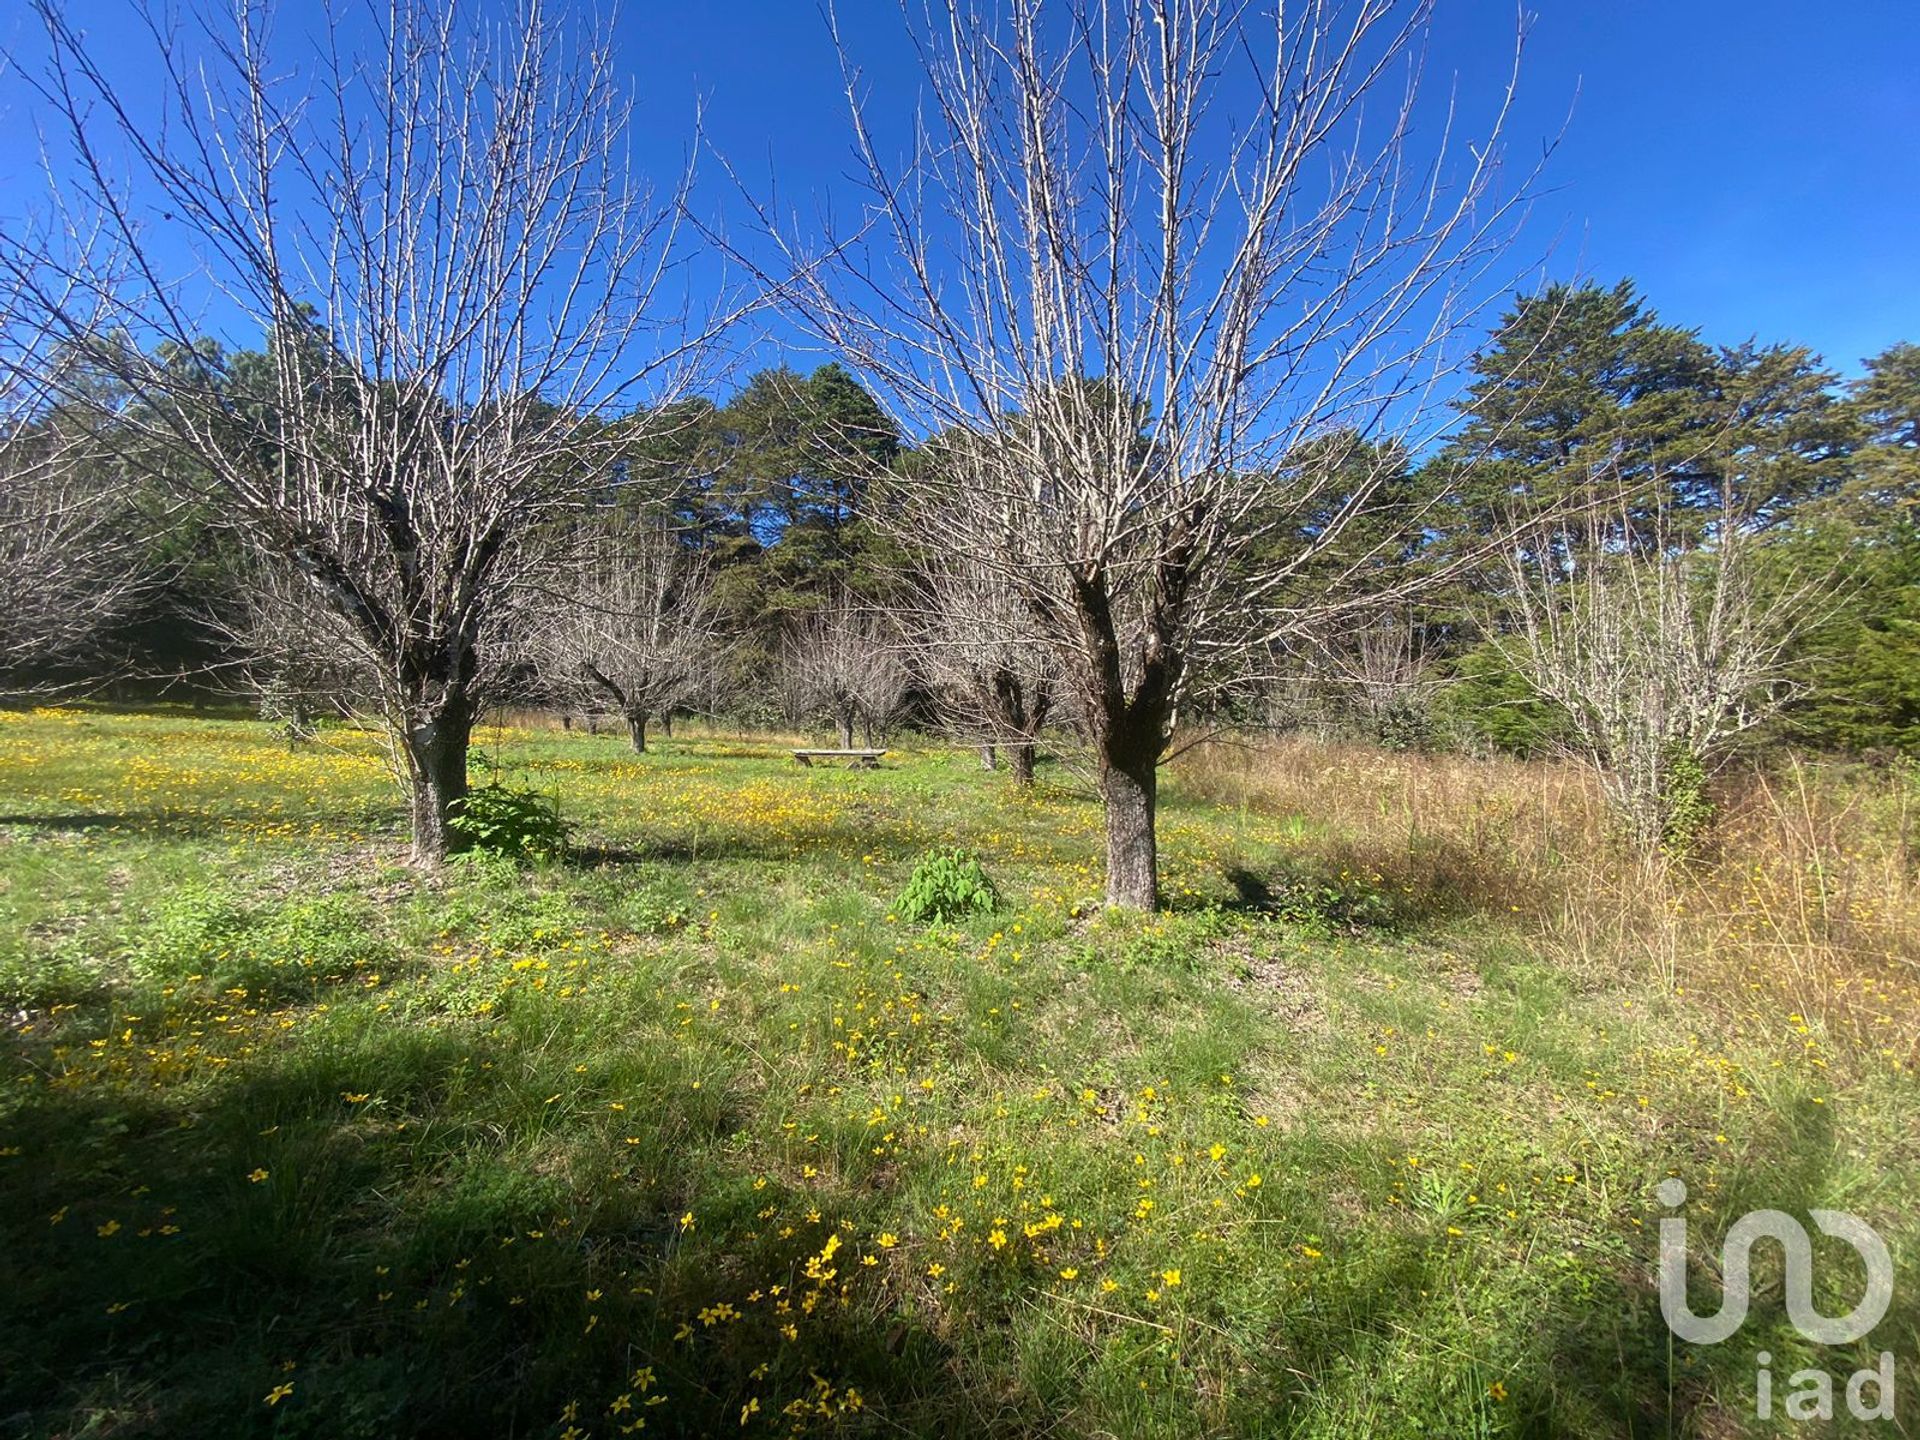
(1753, 164)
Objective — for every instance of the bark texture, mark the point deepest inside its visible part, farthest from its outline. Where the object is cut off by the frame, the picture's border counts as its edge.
(436, 748)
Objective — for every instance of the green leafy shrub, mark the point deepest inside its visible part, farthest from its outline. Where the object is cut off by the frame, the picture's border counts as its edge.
(1314, 903)
(1405, 726)
(501, 820)
(947, 885)
(1685, 808)
(1323, 909)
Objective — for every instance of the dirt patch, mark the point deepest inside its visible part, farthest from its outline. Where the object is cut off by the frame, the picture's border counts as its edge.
(1283, 990)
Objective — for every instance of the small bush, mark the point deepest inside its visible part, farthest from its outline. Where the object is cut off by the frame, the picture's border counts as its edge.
(500, 820)
(1323, 909)
(947, 885)
(1685, 809)
(1315, 905)
(1405, 726)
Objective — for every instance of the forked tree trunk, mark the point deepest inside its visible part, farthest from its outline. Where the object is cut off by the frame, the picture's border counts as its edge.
(1020, 713)
(666, 723)
(846, 729)
(436, 750)
(1129, 725)
(637, 731)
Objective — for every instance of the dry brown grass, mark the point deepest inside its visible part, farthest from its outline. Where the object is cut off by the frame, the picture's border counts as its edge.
(1802, 906)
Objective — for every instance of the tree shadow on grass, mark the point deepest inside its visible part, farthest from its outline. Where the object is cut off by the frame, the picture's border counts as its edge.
(145, 823)
(1623, 1361)
(425, 1232)
(177, 825)
(1401, 1337)
(448, 1227)
(782, 847)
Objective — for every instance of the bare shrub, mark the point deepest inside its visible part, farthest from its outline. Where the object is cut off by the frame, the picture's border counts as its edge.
(1660, 654)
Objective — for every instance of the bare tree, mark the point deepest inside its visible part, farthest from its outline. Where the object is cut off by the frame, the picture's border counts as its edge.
(1143, 254)
(849, 666)
(454, 275)
(1385, 678)
(73, 548)
(637, 631)
(991, 676)
(73, 558)
(297, 657)
(1659, 655)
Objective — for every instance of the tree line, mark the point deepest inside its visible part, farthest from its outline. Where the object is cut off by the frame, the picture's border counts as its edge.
(1139, 421)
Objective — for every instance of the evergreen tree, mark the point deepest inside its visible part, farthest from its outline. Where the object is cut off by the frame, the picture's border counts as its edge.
(798, 459)
(1863, 668)
(1581, 388)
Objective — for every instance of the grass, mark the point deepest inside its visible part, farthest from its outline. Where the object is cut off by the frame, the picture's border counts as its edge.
(694, 1135)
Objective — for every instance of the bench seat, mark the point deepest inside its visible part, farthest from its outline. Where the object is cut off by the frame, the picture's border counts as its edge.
(856, 759)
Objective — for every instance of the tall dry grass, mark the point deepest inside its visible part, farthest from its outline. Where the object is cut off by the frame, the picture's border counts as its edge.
(1801, 908)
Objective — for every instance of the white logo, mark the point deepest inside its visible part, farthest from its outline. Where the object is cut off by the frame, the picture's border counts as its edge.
(1812, 1395)
(1734, 1257)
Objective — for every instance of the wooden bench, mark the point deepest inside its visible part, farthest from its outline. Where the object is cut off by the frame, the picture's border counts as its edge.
(856, 759)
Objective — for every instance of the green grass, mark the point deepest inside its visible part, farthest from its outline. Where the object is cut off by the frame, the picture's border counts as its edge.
(693, 1131)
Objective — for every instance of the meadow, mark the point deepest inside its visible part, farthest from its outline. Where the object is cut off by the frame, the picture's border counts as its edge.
(692, 1133)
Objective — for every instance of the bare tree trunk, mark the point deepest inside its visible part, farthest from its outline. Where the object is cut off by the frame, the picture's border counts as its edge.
(1130, 726)
(637, 731)
(436, 753)
(1022, 708)
(666, 723)
(300, 722)
(1129, 790)
(1020, 758)
(989, 758)
(846, 729)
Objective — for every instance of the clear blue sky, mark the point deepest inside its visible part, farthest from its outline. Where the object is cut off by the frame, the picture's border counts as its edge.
(1753, 164)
